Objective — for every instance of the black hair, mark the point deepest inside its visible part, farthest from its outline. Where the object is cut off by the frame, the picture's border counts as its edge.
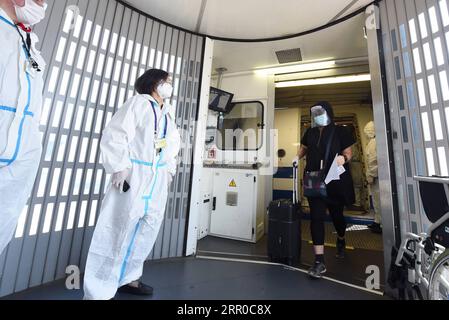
(148, 82)
(326, 106)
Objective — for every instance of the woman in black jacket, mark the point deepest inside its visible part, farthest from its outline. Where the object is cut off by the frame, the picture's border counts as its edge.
(339, 192)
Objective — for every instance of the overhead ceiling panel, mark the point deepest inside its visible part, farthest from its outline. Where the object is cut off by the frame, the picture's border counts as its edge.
(322, 45)
(248, 19)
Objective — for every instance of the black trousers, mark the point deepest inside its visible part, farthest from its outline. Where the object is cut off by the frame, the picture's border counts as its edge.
(318, 209)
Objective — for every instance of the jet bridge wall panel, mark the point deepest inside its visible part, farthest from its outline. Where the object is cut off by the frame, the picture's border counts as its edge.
(416, 42)
(92, 63)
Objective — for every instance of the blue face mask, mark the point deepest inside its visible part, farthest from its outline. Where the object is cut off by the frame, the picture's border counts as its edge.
(321, 120)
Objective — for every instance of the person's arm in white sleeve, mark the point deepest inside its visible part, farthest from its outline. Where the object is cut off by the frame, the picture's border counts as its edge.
(174, 145)
(116, 137)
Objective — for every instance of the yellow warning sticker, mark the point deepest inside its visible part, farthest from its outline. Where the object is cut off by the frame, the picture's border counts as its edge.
(233, 184)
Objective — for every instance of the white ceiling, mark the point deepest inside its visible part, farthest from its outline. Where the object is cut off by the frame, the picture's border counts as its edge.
(345, 40)
(247, 19)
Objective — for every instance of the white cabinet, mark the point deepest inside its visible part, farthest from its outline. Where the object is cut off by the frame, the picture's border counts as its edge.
(234, 204)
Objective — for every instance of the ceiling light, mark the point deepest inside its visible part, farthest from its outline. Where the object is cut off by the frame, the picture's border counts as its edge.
(320, 81)
(296, 68)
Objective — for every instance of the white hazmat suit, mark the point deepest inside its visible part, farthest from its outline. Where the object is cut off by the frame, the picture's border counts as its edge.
(20, 140)
(129, 222)
(372, 169)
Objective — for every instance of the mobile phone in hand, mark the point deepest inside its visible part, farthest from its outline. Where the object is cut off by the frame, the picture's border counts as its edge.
(126, 186)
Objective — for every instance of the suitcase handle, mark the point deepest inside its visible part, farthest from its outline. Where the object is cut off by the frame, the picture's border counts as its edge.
(295, 185)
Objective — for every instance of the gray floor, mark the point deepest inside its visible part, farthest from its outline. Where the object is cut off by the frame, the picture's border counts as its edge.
(212, 244)
(357, 237)
(364, 249)
(200, 279)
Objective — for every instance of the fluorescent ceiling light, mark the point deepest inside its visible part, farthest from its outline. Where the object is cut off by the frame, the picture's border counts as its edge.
(318, 81)
(296, 68)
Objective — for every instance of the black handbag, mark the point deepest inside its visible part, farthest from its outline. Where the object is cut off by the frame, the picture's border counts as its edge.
(314, 185)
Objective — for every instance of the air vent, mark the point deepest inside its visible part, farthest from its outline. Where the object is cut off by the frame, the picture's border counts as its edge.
(290, 55)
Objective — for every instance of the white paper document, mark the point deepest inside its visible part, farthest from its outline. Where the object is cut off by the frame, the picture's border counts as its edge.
(335, 171)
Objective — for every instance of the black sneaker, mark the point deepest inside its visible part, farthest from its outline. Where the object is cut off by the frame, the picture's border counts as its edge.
(141, 290)
(341, 246)
(317, 270)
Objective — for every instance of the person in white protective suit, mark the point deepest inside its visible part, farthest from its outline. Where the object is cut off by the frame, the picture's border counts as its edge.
(21, 85)
(139, 148)
(372, 175)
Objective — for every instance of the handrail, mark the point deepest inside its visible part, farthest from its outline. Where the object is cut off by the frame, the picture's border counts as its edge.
(433, 179)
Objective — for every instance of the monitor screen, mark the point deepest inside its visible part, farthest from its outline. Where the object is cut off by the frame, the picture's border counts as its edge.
(220, 100)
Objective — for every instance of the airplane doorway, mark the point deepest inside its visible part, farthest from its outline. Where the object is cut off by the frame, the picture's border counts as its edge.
(252, 72)
(352, 104)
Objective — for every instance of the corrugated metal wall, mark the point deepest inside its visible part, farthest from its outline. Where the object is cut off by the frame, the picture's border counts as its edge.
(91, 68)
(416, 43)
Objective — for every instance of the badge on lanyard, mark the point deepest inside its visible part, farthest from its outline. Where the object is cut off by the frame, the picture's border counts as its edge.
(159, 143)
(31, 66)
(30, 69)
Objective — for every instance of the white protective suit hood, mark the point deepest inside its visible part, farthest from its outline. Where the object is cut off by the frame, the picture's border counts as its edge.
(370, 130)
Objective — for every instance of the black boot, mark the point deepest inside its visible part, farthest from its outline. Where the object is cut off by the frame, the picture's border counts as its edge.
(341, 247)
(141, 289)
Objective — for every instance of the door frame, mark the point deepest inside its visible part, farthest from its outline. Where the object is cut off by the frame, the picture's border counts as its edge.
(192, 225)
(387, 174)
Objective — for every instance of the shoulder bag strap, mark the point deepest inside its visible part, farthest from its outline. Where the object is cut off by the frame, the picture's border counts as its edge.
(328, 147)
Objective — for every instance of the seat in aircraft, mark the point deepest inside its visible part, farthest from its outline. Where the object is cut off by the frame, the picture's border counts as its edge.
(436, 205)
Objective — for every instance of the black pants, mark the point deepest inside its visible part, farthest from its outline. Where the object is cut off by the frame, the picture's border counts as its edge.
(318, 208)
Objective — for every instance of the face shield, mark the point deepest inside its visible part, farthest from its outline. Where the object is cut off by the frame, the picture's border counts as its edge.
(319, 116)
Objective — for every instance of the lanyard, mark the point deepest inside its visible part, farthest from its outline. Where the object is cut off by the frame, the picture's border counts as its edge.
(26, 44)
(155, 122)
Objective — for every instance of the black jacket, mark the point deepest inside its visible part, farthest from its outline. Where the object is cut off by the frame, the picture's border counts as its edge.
(339, 191)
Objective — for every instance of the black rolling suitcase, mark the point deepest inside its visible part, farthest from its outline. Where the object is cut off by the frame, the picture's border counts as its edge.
(284, 228)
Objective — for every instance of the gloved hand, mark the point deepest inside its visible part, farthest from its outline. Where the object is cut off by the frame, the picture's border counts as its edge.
(118, 179)
(295, 161)
(341, 160)
(370, 179)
